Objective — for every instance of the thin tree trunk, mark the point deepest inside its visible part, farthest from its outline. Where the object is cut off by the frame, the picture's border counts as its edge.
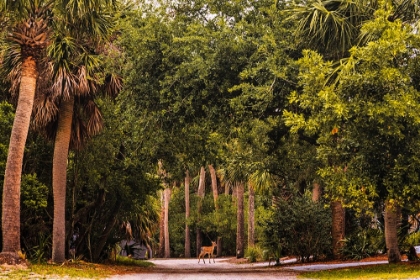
(59, 174)
(216, 204)
(251, 218)
(219, 246)
(316, 192)
(200, 193)
(214, 185)
(338, 228)
(240, 231)
(187, 215)
(227, 188)
(167, 197)
(162, 227)
(391, 232)
(107, 230)
(12, 177)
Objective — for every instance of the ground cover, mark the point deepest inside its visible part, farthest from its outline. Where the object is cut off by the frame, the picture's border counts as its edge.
(405, 270)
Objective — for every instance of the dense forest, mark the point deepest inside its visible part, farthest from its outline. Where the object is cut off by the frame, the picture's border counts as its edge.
(272, 128)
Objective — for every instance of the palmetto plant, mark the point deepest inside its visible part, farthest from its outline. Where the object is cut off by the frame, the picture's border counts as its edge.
(332, 27)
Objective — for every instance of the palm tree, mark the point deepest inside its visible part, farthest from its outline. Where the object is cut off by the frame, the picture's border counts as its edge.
(331, 26)
(260, 180)
(28, 24)
(79, 38)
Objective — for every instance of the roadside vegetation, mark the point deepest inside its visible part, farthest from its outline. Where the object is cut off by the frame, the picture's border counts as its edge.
(388, 271)
(76, 270)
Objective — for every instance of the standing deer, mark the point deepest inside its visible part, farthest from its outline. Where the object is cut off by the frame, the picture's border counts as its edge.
(207, 250)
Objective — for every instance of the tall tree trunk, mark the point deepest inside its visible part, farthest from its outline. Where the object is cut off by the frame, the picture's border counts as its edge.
(216, 204)
(187, 215)
(391, 230)
(167, 197)
(316, 192)
(12, 176)
(200, 193)
(338, 228)
(162, 226)
(251, 216)
(59, 174)
(240, 231)
(214, 185)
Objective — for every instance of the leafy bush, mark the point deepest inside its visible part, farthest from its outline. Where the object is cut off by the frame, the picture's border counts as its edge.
(253, 253)
(363, 243)
(298, 226)
(408, 245)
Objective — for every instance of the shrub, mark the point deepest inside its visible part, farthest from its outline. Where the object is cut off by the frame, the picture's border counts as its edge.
(363, 243)
(253, 253)
(298, 226)
(408, 245)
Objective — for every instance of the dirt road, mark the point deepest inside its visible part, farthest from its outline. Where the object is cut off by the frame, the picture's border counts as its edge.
(189, 269)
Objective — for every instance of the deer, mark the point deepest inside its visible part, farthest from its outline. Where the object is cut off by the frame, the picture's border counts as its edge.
(207, 250)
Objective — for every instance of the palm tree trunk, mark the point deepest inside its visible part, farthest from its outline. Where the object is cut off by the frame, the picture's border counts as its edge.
(338, 228)
(167, 197)
(216, 205)
(59, 174)
(240, 232)
(200, 192)
(214, 185)
(187, 215)
(391, 232)
(12, 177)
(251, 216)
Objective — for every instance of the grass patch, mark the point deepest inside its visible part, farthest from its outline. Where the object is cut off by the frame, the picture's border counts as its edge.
(382, 271)
(76, 270)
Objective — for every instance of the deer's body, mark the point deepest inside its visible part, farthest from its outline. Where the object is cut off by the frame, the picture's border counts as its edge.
(207, 250)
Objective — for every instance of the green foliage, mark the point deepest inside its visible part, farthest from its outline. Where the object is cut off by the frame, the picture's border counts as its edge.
(409, 242)
(253, 253)
(34, 193)
(298, 227)
(39, 253)
(6, 122)
(364, 243)
(366, 124)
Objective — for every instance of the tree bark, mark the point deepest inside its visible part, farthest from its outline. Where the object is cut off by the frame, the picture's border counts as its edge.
(251, 216)
(167, 197)
(214, 185)
(316, 192)
(216, 204)
(162, 227)
(13, 172)
(59, 174)
(200, 193)
(187, 215)
(240, 232)
(338, 228)
(391, 232)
